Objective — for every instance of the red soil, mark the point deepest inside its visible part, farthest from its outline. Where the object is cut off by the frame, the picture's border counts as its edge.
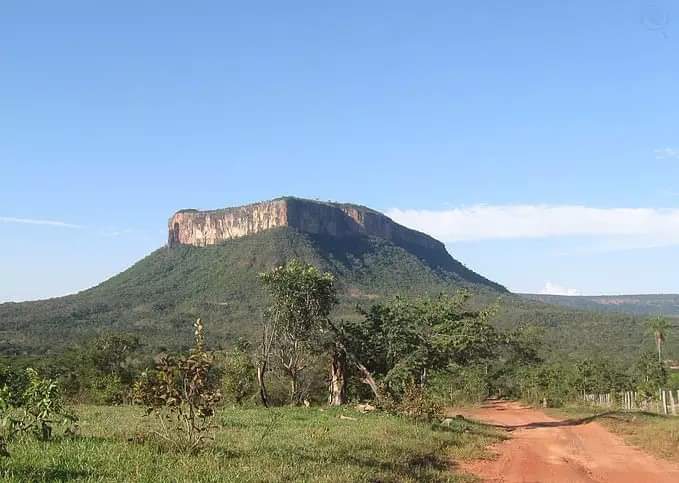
(544, 449)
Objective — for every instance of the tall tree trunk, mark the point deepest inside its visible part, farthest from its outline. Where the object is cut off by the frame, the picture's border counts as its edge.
(338, 371)
(658, 343)
(294, 396)
(261, 370)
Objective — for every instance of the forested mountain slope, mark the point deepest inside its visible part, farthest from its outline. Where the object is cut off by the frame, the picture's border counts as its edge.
(161, 295)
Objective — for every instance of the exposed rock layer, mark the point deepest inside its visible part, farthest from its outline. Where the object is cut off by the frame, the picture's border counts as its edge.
(202, 228)
(319, 219)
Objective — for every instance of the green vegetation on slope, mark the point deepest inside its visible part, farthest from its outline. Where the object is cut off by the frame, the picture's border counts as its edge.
(570, 332)
(665, 304)
(160, 296)
(258, 445)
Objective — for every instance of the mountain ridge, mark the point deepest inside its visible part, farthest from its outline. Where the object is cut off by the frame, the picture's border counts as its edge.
(317, 218)
(638, 304)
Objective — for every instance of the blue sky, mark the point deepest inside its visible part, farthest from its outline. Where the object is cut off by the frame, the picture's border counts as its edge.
(465, 119)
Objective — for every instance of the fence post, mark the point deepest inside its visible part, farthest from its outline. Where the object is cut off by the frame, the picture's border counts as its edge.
(674, 409)
(662, 408)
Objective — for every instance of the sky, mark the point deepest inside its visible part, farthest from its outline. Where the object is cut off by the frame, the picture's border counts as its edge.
(538, 140)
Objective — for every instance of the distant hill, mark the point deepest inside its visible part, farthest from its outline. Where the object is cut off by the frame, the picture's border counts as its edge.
(665, 304)
(209, 269)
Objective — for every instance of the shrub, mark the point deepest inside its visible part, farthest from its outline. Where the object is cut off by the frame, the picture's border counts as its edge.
(107, 389)
(43, 407)
(418, 404)
(415, 403)
(462, 385)
(182, 395)
(239, 375)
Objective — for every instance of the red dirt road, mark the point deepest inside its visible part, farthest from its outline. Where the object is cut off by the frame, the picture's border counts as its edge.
(547, 450)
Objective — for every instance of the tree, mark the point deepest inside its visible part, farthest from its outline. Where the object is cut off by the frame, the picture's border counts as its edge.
(650, 374)
(301, 301)
(402, 341)
(238, 373)
(518, 350)
(338, 376)
(111, 353)
(659, 326)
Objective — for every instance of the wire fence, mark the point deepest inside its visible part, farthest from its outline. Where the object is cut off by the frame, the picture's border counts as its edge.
(666, 402)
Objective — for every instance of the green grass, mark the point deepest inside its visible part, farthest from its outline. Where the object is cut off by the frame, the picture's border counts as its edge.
(656, 434)
(283, 445)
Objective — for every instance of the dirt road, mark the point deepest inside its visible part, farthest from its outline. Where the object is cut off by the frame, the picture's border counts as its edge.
(546, 450)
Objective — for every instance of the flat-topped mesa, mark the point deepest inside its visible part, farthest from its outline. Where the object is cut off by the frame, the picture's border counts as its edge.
(203, 228)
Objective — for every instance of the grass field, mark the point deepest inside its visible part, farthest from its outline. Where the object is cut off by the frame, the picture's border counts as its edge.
(286, 444)
(656, 434)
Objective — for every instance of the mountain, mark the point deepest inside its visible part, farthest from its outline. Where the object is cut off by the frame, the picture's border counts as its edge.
(659, 304)
(209, 269)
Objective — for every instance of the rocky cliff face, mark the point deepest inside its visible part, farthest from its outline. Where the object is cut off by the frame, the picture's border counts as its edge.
(202, 228)
(319, 219)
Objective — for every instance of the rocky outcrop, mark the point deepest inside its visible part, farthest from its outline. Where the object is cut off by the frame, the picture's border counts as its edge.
(202, 228)
(317, 218)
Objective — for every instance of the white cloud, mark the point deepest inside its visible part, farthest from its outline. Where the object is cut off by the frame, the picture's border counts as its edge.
(635, 226)
(554, 289)
(29, 221)
(667, 153)
(113, 233)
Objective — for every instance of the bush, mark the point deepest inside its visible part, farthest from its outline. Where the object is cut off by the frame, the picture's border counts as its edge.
(463, 385)
(239, 375)
(43, 407)
(40, 408)
(107, 389)
(182, 395)
(416, 403)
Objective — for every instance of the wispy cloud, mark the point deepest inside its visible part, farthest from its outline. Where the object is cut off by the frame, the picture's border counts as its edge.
(642, 226)
(30, 221)
(667, 153)
(554, 289)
